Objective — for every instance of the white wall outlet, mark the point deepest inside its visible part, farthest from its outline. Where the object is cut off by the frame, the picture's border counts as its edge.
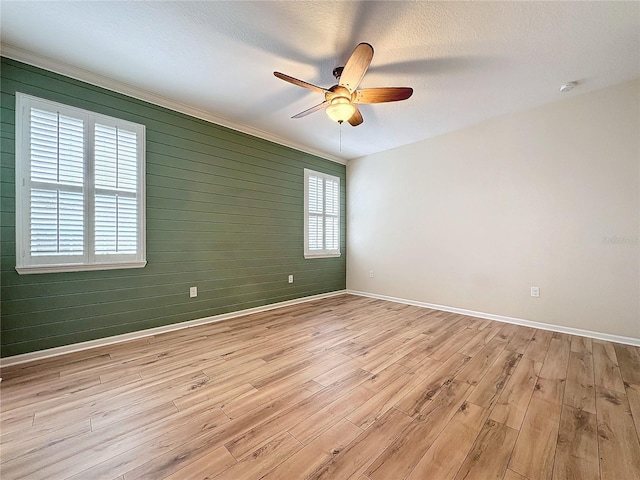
(535, 292)
(370, 273)
(193, 292)
(290, 278)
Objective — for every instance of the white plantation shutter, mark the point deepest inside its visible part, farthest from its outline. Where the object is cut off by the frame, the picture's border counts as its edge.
(80, 189)
(57, 175)
(322, 215)
(115, 197)
(315, 211)
(116, 225)
(332, 210)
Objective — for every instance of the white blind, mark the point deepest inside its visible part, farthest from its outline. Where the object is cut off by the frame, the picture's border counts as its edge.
(57, 177)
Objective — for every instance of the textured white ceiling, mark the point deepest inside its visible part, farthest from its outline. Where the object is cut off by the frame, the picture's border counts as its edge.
(467, 61)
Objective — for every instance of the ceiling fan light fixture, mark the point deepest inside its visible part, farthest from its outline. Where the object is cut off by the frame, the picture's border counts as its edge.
(341, 109)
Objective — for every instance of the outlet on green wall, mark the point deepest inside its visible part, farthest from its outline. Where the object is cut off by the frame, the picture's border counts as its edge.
(224, 213)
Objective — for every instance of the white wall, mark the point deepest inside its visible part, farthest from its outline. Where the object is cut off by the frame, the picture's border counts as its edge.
(548, 197)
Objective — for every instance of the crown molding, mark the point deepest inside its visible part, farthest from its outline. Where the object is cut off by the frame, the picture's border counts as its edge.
(40, 61)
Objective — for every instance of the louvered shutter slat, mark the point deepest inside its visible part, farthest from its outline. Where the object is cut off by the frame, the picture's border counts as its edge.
(315, 232)
(71, 151)
(105, 157)
(127, 154)
(44, 145)
(127, 225)
(105, 224)
(44, 222)
(315, 195)
(331, 233)
(71, 227)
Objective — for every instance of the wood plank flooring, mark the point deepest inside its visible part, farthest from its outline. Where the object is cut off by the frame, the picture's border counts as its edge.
(340, 388)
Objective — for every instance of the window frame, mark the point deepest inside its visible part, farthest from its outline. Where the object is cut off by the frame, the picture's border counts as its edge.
(324, 253)
(26, 263)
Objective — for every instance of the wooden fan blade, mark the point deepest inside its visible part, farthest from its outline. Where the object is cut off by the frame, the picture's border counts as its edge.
(311, 110)
(383, 94)
(356, 119)
(356, 67)
(300, 83)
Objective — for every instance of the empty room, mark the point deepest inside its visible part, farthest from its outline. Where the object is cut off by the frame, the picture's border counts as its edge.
(287, 240)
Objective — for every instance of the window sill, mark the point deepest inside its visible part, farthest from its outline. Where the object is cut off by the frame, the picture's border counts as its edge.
(78, 268)
(321, 255)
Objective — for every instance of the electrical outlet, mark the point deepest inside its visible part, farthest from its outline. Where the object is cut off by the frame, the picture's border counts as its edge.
(193, 292)
(535, 292)
(290, 278)
(370, 273)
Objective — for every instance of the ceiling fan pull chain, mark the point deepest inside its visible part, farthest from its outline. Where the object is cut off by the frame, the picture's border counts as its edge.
(340, 127)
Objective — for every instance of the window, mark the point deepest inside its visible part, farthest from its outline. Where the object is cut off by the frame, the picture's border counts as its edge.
(80, 189)
(321, 215)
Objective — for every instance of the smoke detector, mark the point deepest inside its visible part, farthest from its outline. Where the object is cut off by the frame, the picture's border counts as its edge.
(568, 86)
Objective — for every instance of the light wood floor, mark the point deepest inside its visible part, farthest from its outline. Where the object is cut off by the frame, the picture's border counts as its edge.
(346, 387)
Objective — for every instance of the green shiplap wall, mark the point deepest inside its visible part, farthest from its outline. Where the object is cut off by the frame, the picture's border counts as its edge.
(224, 213)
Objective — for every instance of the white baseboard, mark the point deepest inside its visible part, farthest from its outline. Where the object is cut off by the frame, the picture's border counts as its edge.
(501, 318)
(76, 347)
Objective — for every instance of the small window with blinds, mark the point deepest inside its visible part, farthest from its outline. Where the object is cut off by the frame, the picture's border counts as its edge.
(321, 215)
(80, 189)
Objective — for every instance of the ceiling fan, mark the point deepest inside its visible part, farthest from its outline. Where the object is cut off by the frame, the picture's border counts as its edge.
(341, 99)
